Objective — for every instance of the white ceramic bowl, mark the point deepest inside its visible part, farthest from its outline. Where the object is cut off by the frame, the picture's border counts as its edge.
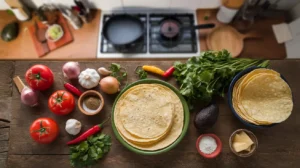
(59, 37)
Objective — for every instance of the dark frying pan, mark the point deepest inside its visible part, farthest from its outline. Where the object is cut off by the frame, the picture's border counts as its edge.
(123, 30)
(172, 28)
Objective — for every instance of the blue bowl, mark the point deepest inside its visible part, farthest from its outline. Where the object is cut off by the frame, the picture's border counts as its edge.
(235, 79)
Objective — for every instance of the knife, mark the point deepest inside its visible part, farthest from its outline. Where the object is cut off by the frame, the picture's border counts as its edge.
(40, 36)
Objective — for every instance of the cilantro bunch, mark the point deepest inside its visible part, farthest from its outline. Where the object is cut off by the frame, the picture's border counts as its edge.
(209, 75)
(89, 151)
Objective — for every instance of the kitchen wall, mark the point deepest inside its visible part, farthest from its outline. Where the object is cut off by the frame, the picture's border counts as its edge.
(110, 4)
(295, 12)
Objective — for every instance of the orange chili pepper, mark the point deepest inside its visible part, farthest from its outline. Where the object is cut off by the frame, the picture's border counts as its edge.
(153, 69)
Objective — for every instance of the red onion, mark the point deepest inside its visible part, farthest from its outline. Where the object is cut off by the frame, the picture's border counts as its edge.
(109, 85)
(71, 70)
(29, 97)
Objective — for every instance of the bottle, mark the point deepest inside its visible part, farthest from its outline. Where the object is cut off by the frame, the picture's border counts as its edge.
(228, 10)
(21, 12)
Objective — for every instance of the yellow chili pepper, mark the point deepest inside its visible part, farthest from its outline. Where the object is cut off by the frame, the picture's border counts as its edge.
(153, 69)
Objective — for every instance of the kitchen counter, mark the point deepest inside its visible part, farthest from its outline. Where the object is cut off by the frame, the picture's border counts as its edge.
(84, 45)
(85, 41)
(278, 146)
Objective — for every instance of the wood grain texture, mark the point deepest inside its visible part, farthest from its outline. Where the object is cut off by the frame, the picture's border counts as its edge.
(227, 37)
(278, 146)
(3, 160)
(4, 137)
(6, 74)
(226, 160)
(266, 47)
(4, 133)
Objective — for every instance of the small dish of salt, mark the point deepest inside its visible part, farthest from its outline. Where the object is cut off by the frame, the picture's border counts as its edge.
(209, 145)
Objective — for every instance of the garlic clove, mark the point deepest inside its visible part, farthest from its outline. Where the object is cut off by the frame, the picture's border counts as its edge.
(73, 126)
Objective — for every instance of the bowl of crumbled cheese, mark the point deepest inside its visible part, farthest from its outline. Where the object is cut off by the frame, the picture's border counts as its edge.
(209, 145)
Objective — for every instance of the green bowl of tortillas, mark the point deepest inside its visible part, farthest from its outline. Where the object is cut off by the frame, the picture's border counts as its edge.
(150, 117)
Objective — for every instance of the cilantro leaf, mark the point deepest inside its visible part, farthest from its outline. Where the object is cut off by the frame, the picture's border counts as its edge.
(89, 151)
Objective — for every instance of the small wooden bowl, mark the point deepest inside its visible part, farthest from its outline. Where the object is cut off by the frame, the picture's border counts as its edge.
(86, 94)
(216, 152)
(253, 146)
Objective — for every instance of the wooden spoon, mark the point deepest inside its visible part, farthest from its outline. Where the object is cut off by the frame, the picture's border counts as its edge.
(226, 37)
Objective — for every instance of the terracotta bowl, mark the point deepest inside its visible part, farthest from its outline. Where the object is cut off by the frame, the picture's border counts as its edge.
(86, 94)
(244, 153)
(216, 152)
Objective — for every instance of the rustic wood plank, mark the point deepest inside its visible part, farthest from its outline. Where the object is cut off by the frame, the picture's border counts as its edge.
(4, 134)
(185, 159)
(3, 160)
(4, 124)
(5, 108)
(278, 146)
(6, 73)
(3, 146)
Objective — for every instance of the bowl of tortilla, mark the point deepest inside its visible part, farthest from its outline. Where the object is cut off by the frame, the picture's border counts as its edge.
(150, 117)
(260, 97)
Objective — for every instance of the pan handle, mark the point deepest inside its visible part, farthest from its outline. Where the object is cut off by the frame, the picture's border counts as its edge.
(204, 26)
(201, 26)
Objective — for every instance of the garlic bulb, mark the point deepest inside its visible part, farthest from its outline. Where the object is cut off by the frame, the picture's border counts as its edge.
(73, 126)
(89, 78)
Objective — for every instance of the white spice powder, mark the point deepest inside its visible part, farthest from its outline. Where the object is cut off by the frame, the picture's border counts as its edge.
(207, 145)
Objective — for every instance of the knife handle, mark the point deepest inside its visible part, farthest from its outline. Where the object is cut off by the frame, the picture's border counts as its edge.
(45, 48)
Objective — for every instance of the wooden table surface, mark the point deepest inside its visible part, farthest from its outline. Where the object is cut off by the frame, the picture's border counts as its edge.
(85, 42)
(278, 146)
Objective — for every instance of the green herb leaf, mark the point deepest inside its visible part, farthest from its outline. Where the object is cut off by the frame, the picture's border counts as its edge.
(141, 73)
(118, 72)
(88, 152)
(115, 67)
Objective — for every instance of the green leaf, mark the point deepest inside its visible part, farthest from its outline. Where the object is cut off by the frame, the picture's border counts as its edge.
(85, 157)
(89, 151)
(115, 67)
(141, 73)
(206, 76)
(74, 155)
(83, 146)
(101, 136)
(92, 152)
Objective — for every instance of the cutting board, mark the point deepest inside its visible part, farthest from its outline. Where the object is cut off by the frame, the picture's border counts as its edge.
(226, 37)
(67, 37)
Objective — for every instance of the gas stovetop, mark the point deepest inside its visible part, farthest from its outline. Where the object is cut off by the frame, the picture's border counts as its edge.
(152, 45)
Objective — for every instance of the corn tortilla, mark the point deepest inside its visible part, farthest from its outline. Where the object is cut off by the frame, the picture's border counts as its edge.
(267, 98)
(123, 100)
(166, 96)
(260, 87)
(140, 118)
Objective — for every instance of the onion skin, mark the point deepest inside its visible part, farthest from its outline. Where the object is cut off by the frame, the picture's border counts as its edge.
(109, 85)
(71, 70)
(29, 97)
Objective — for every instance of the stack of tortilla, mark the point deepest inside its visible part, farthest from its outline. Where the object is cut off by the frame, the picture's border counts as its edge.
(262, 97)
(149, 116)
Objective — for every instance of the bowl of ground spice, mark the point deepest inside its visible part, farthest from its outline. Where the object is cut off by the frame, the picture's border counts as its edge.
(90, 102)
(209, 145)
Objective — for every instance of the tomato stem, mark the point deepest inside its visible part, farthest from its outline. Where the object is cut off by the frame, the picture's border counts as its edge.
(42, 130)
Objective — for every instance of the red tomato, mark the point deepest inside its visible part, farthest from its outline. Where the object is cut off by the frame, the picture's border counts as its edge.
(61, 102)
(44, 130)
(39, 77)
